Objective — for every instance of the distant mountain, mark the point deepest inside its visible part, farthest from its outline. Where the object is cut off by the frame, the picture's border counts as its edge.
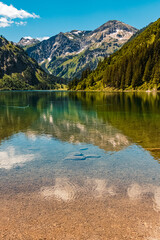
(68, 54)
(26, 41)
(19, 71)
(135, 66)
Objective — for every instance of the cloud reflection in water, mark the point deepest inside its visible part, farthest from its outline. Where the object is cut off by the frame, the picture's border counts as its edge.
(9, 158)
(63, 190)
(67, 190)
(135, 192)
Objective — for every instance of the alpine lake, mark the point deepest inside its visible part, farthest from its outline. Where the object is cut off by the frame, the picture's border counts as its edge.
(79, 166)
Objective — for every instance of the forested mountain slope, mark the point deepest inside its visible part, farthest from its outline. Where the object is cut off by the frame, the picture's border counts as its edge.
(135, 66)
(19, 71)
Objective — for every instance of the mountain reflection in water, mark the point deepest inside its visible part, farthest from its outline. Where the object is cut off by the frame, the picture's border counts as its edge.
(79, 165)
(110, 121)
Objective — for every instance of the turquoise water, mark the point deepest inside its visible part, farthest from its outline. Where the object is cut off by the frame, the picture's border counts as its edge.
(109, 141)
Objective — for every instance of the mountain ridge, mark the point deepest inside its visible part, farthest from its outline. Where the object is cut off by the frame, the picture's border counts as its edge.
(29, 41)
(19, 71)
(136, 66)
(68, 54)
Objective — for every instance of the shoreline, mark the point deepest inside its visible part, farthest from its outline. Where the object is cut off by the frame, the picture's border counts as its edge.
(104, 90)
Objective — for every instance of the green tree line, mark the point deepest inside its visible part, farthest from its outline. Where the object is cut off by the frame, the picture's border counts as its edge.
(135, 66)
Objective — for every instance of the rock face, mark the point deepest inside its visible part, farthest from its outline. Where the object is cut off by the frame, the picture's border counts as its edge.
(27, 41)
(68, 54)
(19, 71)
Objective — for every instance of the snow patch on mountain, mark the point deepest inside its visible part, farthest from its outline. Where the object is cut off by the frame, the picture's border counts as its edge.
(91, 46)
(26, 41)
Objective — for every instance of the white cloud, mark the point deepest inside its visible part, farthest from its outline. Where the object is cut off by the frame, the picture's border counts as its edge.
(12, 12)
(21, 23)
(8, 13)
(43, 38)
(28, 37)
(4, 22)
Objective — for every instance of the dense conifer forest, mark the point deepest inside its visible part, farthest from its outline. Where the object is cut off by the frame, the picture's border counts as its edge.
(135, 66)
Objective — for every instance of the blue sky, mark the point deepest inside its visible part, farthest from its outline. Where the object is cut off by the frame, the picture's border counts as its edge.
(53, 16)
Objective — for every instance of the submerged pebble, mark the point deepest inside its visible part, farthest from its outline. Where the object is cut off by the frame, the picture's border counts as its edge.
(92, 156)
(80, 156)
(83, 149)
(77, 154)
(76, 158)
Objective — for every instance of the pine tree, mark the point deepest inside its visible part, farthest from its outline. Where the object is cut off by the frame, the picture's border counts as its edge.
(147, 71)
(122, 82)
(156, 74)
(92, 81)
(137, 77)
(128, 77)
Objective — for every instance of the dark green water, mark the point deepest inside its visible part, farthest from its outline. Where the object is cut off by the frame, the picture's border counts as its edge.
(113, 138)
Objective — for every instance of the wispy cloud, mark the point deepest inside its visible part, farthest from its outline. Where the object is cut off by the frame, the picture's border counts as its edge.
(21, 23)
(8, 14)
(42, 38)
(4, 22)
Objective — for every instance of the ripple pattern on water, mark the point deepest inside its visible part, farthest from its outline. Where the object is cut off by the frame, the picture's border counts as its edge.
(137, 192)
(99, 187)
(62, 190)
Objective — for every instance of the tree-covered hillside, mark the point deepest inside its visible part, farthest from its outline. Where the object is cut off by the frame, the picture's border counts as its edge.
(19, 71)
(135, 66)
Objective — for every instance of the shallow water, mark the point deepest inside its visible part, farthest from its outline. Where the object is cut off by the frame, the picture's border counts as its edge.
(79, 165)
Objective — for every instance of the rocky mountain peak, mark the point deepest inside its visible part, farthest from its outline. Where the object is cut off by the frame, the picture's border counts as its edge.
(114, 25)
(26, 41)
(68, 54)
